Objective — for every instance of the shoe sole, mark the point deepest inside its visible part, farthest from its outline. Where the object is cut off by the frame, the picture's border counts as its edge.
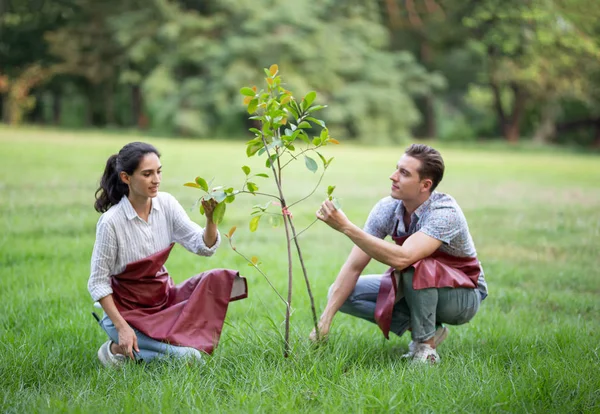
(438, 338)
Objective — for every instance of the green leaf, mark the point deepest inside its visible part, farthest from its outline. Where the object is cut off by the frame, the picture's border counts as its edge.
(254, 223)
(322, 158)
(202, 183)
(218, 195)
(201, 209)
(219, 213)
(309, 98)
(247, 91)
(316, 108)
(252, 106)
(324, 134)
(330, 189)
(246, 169)
(302, 135)
(293, 111)
(291, 148)
(230, 199)
(253, 149)
(261, 175)
(193, 185)
(316, 141)
(275, 221)
(252, 187)
(255, 130)
(304, 124)
(316, 121)
(270, 160)
(310, 164)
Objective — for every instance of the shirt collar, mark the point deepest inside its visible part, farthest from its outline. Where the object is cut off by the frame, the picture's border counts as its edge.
(130, 212)
(419, 211)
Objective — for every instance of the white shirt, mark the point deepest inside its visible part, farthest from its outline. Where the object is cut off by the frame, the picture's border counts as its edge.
(123, 237)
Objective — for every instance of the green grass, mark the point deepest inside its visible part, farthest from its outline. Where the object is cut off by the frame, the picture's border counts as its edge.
(533, 347)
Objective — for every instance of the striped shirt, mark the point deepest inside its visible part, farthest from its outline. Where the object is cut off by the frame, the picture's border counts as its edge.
(439, 217)
(122, 237)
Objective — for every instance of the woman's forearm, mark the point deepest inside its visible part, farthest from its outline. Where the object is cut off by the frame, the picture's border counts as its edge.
(210, 234)
(109, 307)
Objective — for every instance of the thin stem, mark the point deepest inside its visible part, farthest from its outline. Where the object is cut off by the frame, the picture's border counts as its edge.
(301, 152)
(259, 271)
(263, 194)
(277, 176)
(309, 226)
(312, 192)
(310, 295)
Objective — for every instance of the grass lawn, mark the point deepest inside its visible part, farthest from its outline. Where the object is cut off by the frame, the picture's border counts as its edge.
(533, 347)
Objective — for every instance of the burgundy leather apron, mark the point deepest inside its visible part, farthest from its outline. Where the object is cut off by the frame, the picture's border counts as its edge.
(189, 314)
(436, 271)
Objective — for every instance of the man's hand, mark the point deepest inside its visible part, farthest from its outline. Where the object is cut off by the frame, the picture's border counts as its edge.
(323, 332)
(209, 208)
(127, 341)
(333, 217)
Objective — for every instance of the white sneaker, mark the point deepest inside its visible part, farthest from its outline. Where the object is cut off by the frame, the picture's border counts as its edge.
(425, 354)
(108, 359)
(439, 336)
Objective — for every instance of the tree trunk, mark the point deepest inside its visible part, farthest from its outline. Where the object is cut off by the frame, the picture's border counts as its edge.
(137, 108)
(56, 107)
(109, 105)
(36, 115)
(429, 121)
(509, 126)
(596, 143)
(3, 108)
(546, 130)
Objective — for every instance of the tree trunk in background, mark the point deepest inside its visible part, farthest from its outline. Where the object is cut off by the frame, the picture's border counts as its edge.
(596, 143)
(137, 108)
(36, 115)
(429, 121)
(510, 127)
(109, 104)
(3, 108)
(546, 130)
(56, 107)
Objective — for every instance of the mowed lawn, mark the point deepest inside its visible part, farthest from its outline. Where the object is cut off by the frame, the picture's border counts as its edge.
(533, 347)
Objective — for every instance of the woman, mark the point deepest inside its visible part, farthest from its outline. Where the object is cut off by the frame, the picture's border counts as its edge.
(146, 315)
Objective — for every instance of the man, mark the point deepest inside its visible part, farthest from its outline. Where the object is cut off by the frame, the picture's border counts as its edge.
(435, 276)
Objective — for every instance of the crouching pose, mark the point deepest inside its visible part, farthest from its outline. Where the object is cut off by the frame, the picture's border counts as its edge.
(435, 277)
(146, 315)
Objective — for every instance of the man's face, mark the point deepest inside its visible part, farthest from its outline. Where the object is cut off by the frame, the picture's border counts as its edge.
(406, 183)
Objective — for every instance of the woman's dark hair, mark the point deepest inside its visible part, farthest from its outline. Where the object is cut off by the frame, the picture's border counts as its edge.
(112, 189)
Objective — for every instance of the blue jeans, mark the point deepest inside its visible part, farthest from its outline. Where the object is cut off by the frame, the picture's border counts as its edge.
(151, 348)
(420, 310)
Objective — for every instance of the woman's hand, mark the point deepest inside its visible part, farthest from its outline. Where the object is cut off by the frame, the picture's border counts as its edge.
(127, 341)
(209, 208)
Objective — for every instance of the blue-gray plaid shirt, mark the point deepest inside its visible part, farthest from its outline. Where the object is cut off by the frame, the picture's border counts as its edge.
(439, 217)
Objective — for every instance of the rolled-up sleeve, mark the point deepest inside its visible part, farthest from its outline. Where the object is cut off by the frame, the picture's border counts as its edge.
(103, 261)
(189, 234)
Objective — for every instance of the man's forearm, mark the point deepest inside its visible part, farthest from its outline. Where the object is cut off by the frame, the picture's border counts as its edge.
(344, 283)
(380, 250)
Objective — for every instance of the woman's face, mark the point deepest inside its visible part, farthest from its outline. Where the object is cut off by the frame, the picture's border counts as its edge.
(145, 180)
